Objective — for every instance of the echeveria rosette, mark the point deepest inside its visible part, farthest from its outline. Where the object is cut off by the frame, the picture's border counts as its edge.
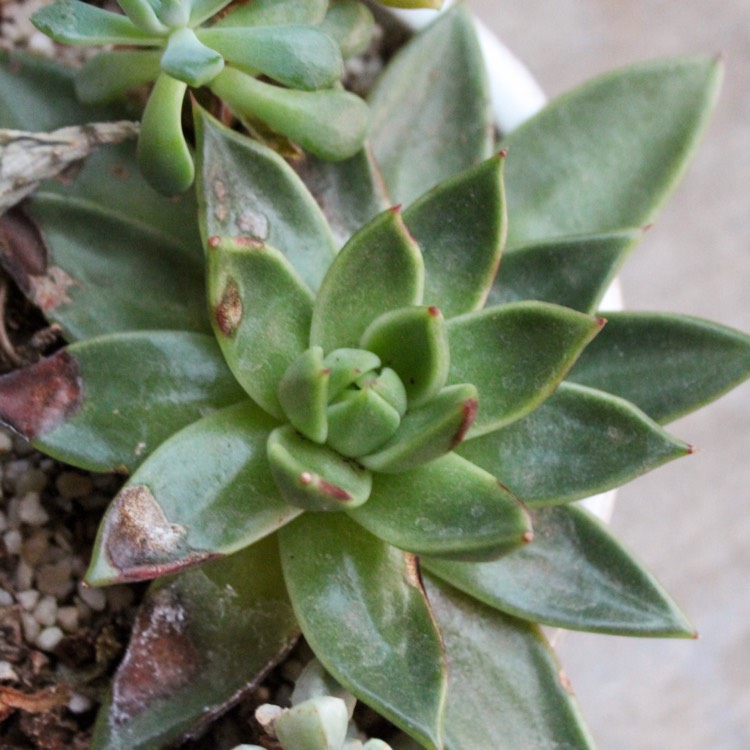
(181, 44)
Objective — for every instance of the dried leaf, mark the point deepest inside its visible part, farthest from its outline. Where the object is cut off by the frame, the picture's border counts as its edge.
(27, 158)
(34, 703)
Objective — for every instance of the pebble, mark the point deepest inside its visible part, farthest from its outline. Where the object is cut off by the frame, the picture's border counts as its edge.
(35, 547)
(71, 484)
(13, 541)
(7, 673)
(31, 627)
(67, 618)
(3, 519)
(45, 612)
(32, 480)
(79, 704)
(31, 511)
(94, 598)
(24, 575)
(28, 599)
(48, 639)
(6, 598)
(55, 579)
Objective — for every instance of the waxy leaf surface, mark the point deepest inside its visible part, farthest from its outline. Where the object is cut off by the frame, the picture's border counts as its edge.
(515, 355)
(206, 491)
(351, 25)
(384, 254)
(417, 108)
(297, 56)
(350, 192)
(428, 432)
(200, 640)
(448, 508)
(413, 341)
(460, 227)
(573, 272)
(606, 155)
(110, 401)
(506, 690)
(188, 59)
(668, 365)
(579, 442)
(261, 313)
(362, 609)
(246, 190)
(276, 13)
(109, 75)
(575, 575)
(76, 22)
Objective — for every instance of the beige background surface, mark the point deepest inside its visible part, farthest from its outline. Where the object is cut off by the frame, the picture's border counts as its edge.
(689, 521)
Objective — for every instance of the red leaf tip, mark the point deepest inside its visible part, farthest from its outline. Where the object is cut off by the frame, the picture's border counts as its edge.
(434, 311)
(305, 478)
(214, 241)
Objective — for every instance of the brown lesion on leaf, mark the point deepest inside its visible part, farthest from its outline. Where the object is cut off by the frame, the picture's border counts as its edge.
(161, 659)
(229, 310)
(140, 542)
(25, 257)
(39, 398)
(469, 415)
(412, 571)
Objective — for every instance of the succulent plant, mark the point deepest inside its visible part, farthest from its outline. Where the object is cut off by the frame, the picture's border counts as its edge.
(177, 44)
(374, 436)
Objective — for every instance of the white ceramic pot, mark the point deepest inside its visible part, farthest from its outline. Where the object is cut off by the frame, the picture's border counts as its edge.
(516, 96)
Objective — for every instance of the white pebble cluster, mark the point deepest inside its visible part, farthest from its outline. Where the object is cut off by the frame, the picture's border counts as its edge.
(46, 577)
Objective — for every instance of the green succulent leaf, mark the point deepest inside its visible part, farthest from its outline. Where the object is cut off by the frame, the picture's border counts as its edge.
(347, 366)
(37, 94)
(389, 654)
(606, 155)
(331, 123)
(316, 724)
(246, 189)
(143, 15)
(260, 310)
(428, 432)
(205, 492)
(298, 56)
(384, 253)
(413, 341)
(668, 365)
(184, 662)
(417, 108)
(76, 22)
(111, 401)
(461, 226)
(276, 13)
(506, 689)
(93, 255)
(360, 421)
(110, 75)
(433, 4)
(163, 154)
(187, 59)
(579, 442)
(515, 355)
(351, 24)
(387, 384)
(202, 10)
(303, 394)
(447, 508)
(315, 477)
(572, 271)
(350, 192)
(574, 575)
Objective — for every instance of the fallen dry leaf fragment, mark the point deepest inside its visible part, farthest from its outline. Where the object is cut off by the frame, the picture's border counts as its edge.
(27, 158)
(39, 702)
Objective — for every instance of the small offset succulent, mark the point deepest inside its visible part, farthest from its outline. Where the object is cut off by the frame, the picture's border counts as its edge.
(177, 44)
(373, 431)
(319, 718)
